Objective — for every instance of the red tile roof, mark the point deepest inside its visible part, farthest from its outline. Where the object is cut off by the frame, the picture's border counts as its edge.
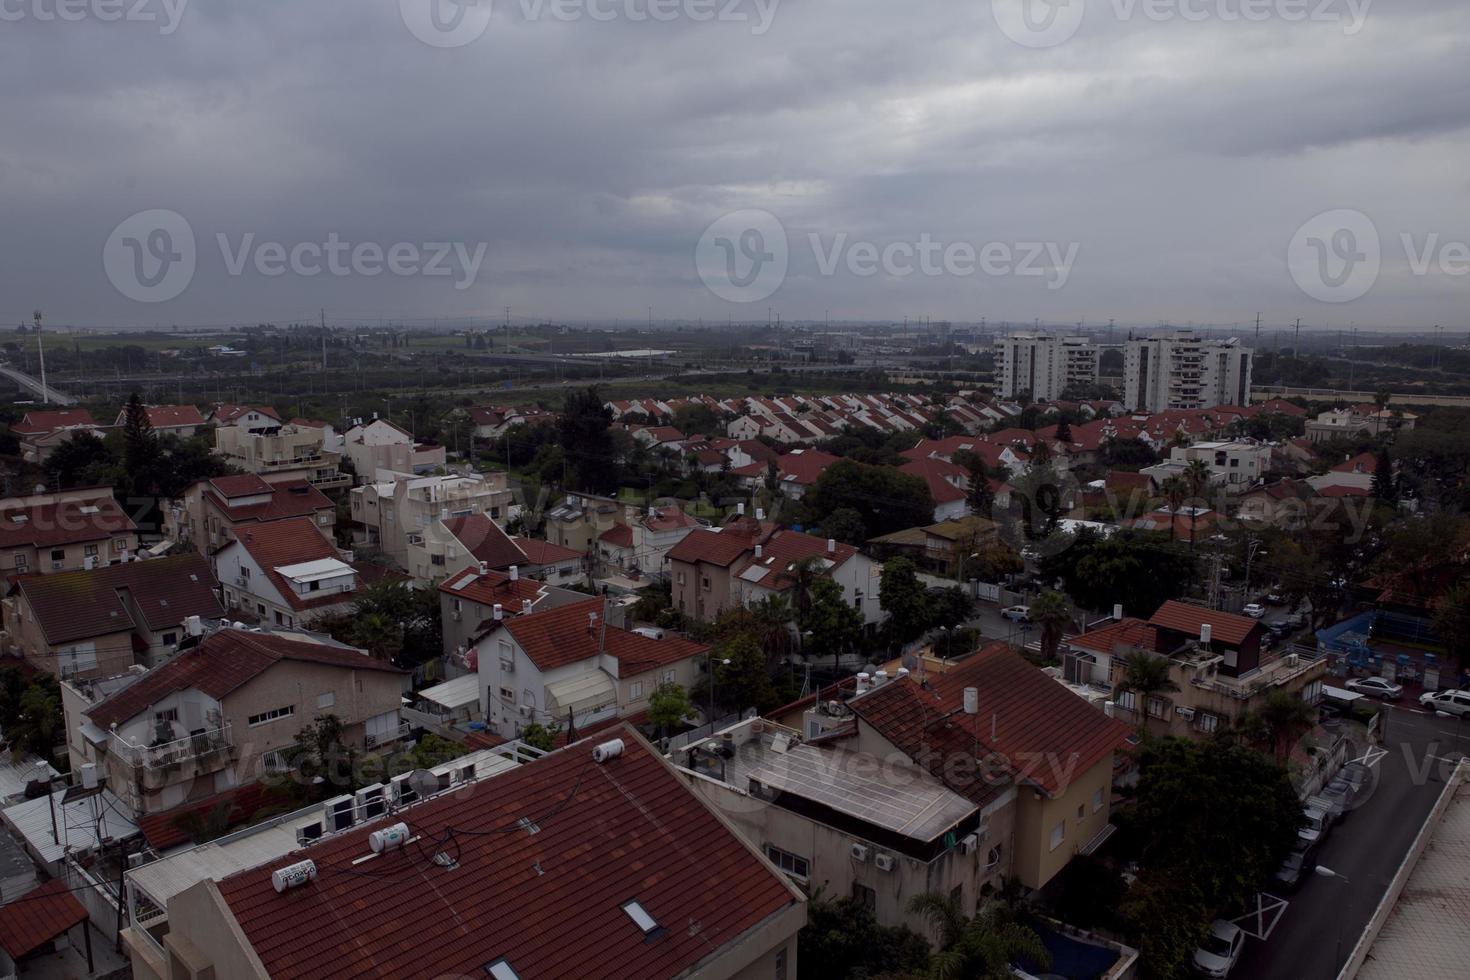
(1030, 727)
(757, 450)
(222, 662)
(933, 472)
(667, 519)
(1361, 463)
(548, 903)
(172, 416)
(289, 498)
(226, 414)
(801, 466)
(65, 522)
(491, 588)
(567, 635)
(72, 606)
(1282, 407)
(277, 544)
(1341, 491)
(486, 541)
(1181, 617)
(783, 550)
(618, 536)
(1128, 633)
(243, 485)
(540, 552)
(1122, 480)
(35, 423)
(720, 548)
(37, 917)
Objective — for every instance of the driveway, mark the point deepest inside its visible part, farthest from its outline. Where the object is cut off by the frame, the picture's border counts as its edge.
(1324, 918)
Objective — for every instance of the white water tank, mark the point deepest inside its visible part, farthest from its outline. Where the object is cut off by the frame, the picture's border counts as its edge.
(1117, 611)
(515, 573)
(389, 838)
(89, 775)
(1205, 633)
(608, 751)
(293, 875)
(972, 700)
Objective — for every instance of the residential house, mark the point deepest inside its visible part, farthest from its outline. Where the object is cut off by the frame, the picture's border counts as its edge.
(382, 445)
(449, 546)
(1211, 694)
(549, 562)
(948, 484)
(40, 432)
(702, 566)
(797, 471)
(495, 422)
(567, 665)
(472, 601)
(580, 519)
(224, 712)
(286, 573)
(102, 621)
(393, 513)
(258, 442)
(1356, 421)
(766, 572)
(660, 437)
(1280, 503)
(992, 726)
(211, 512)
(658, 905)
(184, 421)
(42, 533)
(1353, 473)
(641, 546)
(1234, 466)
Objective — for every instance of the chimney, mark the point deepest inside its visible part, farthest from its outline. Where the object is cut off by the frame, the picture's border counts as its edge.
(1118, 612)
(484, 568)
(831, 546)
(591, 623)
(759, 552)
(972, 700)
(880, 678)
(499, 614)
(740, 509)
(760, 514)
(515, 573)
(443, 513)
(525, 607)
(862, 683)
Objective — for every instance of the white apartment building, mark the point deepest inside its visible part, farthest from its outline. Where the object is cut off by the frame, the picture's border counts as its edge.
(1182, 371)
(1043, 365)
(1234, 466)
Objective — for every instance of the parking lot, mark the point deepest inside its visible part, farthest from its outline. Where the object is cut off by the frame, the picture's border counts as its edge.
(1313, 933)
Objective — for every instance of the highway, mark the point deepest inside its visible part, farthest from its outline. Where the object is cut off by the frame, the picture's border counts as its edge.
(34, 386)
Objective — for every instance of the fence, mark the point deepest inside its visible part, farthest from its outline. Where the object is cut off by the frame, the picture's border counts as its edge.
(705, 731)
(96, 896)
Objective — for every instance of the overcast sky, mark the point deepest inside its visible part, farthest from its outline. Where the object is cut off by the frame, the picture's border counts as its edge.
(1168, 161)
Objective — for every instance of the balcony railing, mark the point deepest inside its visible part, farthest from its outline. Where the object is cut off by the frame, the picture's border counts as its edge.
(382, 738)
(165, 754)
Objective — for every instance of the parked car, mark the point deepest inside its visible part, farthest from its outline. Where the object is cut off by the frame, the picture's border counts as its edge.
(1455, 703)
(1376, 687)
(1275, 598)
(1316, 825)
(1019, 614)
(1296, 867)
(1295, 621)
(1220, 951)
(1280, 627)
(1254, 610)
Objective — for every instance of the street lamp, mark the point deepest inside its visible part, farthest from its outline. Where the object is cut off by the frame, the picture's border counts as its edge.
(712, 662)
(1252, 547)
(1326, 872)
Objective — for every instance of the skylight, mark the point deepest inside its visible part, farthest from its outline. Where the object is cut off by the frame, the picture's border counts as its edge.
(640, 917)
(501, 970)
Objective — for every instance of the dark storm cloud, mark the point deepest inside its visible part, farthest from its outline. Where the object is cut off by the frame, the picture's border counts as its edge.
(1179, 158)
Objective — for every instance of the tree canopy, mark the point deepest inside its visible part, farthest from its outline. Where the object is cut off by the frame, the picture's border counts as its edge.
(885, 499)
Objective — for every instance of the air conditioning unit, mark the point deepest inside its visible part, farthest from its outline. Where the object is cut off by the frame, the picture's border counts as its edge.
(526, 711)
(311, 832)
(402, 791)
(1184, 712)
(136, 860)
(372, 802)
(968, 843)
(340, 813)
(860, 852)
(883, 862)
(507, 666)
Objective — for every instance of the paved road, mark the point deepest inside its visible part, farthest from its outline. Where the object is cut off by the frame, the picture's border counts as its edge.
(1317, 931)
(31, 384)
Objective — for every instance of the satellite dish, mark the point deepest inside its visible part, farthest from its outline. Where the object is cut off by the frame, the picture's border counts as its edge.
(424, 782)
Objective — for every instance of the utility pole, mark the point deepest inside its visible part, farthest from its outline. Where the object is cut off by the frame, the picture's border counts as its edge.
(324, 340)
(1296, 348)
(41, 355)
(1258, 331)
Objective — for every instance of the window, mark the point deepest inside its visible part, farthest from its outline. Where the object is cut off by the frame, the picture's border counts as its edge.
(681, 578)
(58, 554)
(324, 519)
(635, 689)
(167, 714)
(21, 562)
(90, 550)
(169, 639)
(436, 560)
(797, 867)
(857, 602)
(272, 715)
(326, 699)
(1158, 707)
(667, 678)
(528, 697)
(245, 573)
(706, 583)
(507, 695)
(641, 918)
(1097, 801)
(781, 973)
(1312, 693)
(1206, 722)
(1058, 834)
(1128, 701)
(274, 762)
(864, 897)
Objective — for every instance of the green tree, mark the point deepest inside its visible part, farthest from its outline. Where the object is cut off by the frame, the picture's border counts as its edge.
(846, 525)
(1053, 613)
(980, 948)
(844, 939)
(668, 706)
(585, 426)
(1175, 491)
(1384, 487)
(901, 595)
(1064, 430)
(1197, 476)
(1145, 675)
(379, 635)
(1282, 719)
(835, 626)
(1042, 499)
(540, 736)
(887, 499)
(81, 460)
(1451, 624)
(38, 720)
(744, 682)
(1137, 569)
(325, 764)
(141, 452)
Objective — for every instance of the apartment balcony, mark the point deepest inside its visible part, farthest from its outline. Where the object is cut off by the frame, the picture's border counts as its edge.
(383, 738)
(160, 764)
(329, 480)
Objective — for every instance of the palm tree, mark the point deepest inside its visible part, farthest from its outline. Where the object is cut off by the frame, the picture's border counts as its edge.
(1054, 614)
(379, 635)
(1145, 674)
(1282, 719)
(802, 574)
(1197, 476)
(1175, 491)
(979, 948)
